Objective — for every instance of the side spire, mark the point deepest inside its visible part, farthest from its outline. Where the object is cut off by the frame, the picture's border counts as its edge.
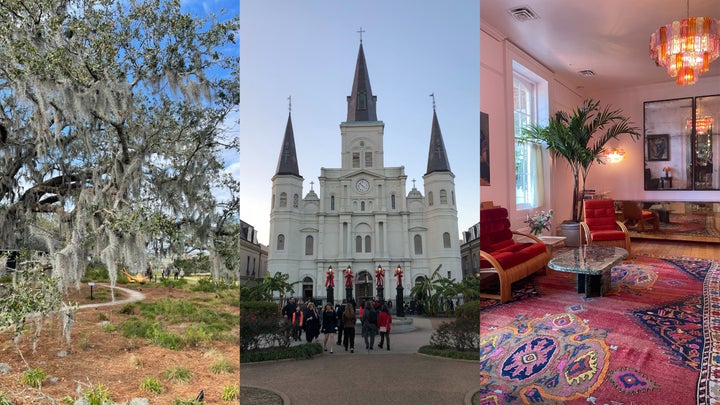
(287, 162)
(437, 156)
(361, 102)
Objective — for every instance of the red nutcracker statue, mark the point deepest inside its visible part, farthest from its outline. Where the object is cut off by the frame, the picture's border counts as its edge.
(349, 277)
(380, 280)
(330, 284)
(399, 305)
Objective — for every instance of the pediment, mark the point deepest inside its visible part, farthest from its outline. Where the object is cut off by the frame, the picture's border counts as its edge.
(361, 172)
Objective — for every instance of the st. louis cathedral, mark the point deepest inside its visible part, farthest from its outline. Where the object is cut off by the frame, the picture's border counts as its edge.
(360, 219)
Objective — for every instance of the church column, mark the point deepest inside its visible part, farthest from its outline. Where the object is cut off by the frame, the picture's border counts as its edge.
(405, 227)
(321, 238)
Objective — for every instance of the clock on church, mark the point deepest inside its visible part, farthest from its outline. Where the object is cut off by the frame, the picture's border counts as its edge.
(362, 186)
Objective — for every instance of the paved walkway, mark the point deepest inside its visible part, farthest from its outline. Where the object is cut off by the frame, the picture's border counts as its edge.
(399, 376)
(132, 296)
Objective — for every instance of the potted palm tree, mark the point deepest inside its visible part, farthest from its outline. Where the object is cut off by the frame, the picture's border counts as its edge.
(579, 138)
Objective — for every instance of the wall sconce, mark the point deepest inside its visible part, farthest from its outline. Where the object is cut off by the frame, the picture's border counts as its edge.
(614, 155)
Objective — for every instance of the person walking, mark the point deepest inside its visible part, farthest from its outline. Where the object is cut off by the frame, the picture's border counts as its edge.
(369, 325)
(348, 322)
(339, 310)
(384, 321)
(311, 322)
(297, 320)
(329, 326)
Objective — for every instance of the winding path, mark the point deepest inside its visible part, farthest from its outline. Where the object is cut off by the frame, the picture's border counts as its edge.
(133, 296)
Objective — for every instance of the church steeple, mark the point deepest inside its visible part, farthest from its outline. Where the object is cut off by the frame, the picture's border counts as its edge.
(437, 157)
(361, 102)
(287, 162)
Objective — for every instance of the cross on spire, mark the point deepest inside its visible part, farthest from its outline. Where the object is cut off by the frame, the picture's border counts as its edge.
(433, 97)
(360, 32)
(413, 180)
(290, 104)
(311, 185)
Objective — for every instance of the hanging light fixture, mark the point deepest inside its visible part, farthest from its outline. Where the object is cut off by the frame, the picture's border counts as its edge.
(614, 155)
(686, 47)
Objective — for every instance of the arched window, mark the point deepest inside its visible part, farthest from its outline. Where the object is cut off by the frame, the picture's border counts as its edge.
(358, 244)
(392, 201)
(332, 203)
(283, 200)
(362, 206)
(430, 198)
(418, 244)
(296, 200)
(446, 240)
(443, 196)
(367, 244)
(272, 203)
(309, 245)
(281, 242)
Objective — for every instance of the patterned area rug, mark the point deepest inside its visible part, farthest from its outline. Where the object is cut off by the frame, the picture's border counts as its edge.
(642, 343)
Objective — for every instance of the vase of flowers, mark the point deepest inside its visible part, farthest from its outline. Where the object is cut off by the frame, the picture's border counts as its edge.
(539, 222)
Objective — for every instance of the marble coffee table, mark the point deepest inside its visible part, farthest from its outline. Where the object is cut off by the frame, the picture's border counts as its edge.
(592, 265)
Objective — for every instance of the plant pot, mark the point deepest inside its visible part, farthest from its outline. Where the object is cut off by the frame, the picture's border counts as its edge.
(571, 230)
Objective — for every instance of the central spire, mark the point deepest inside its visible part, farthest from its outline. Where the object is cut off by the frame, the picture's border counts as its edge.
(361, 102)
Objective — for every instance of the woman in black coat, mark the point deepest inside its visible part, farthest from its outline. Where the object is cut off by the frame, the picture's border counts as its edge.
(311, 323)
(329, 326)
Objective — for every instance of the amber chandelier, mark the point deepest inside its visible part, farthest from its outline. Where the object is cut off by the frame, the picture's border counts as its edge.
(686, 47)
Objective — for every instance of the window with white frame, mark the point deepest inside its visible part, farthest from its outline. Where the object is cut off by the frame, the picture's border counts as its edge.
(529, 93)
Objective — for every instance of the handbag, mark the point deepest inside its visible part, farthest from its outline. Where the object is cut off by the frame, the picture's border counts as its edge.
(383, 329)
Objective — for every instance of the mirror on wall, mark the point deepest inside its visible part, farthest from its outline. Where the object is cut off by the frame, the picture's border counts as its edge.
(707, 111)
(681, 146)
(668, 151)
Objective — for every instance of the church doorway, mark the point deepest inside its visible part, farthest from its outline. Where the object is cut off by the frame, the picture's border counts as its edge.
(364, 286)
(307, 289)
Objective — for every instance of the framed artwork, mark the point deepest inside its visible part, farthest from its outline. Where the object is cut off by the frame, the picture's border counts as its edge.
(658, 147)
(484, 150)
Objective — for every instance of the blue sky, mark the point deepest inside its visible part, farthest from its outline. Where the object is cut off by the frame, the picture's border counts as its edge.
(308, 49)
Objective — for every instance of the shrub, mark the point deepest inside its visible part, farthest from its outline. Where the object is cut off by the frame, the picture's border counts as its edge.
(460, 334)
(33, 377)
(470, 310)
(96, 272)
(4, 400)
(97, 395)
(170, 283)
(128, 309)
(222, 366)
(178, 401)
(259, 309)
(152, 385)
(304, 351)
(138, 327)
(257, 333)
(197, 335)
(136, 361)
(102, 316)
(108, 327)
(177, 375)
(450, 353)
(230, 393)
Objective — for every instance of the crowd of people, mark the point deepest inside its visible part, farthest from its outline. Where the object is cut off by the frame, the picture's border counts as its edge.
(337, 324)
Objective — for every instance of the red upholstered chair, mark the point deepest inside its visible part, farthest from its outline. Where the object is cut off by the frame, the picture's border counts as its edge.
(600, 226)
(500, 254)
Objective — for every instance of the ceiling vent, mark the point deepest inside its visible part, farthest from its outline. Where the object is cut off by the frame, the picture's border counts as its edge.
(523, 14)
(587, 72)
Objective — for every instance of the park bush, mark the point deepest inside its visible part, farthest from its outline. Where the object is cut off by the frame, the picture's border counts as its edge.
(304, 351)
(262, 309)
(450, 353)
(470, 310)
(460, 334)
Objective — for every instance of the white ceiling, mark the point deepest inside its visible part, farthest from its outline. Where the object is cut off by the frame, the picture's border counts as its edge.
(609, 37)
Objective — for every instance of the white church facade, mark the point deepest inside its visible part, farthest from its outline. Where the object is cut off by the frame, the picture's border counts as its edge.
(361, 217)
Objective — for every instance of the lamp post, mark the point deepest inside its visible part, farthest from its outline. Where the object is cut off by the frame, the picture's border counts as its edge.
(330, 284)
(399, 305)
(349, 278)
(380, 282)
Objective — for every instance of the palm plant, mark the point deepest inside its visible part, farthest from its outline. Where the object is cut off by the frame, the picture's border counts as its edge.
(573, 138)
(279, 283)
